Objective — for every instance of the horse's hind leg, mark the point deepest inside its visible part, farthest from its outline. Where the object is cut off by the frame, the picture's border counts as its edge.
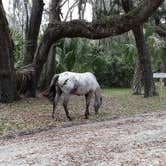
(65, 102)
(87, 98)
(55, 101)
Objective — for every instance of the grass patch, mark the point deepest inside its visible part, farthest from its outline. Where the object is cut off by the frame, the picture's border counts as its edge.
(29, 114)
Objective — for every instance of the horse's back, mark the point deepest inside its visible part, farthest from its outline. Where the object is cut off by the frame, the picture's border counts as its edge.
(87, 82)
(84, 82)
(87, 78)
(91, 80)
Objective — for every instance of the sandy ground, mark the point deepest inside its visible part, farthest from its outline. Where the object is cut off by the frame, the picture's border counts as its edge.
(140, 140)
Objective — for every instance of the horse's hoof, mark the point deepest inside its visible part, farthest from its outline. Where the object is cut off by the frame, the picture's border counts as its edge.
(86, 117)
(69, 118)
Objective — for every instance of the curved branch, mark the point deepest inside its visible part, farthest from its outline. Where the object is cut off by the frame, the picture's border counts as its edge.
(107, 26)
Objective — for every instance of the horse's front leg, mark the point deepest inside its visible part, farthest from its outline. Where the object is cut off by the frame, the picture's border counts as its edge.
(56, 100)
(88, 99)
(65, 103)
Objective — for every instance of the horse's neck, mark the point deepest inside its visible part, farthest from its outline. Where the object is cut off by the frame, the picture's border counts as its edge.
(97, 94)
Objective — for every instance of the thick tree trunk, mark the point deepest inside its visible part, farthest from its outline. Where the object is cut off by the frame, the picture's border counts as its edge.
(50, 66)
(8, 87)
(54, 17)
(137, 81)
(40, 59)
(143, 55)
(32, 31)
(31, 35)
(145, 63)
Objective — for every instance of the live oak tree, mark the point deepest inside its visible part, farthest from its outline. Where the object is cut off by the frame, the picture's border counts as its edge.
(160, 29)
(143, 55)
(105, 27)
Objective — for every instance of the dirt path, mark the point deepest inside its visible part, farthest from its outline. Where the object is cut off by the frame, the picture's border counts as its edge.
(132, 141)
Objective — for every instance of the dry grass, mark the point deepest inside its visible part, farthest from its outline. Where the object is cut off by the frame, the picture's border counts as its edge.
(32, 114)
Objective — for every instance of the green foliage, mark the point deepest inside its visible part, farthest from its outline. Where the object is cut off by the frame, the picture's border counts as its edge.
(18, 45)
(119, 66)
(113, 65)
(157, 49)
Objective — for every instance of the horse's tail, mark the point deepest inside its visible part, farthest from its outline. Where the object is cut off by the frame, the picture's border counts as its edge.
(52, 87)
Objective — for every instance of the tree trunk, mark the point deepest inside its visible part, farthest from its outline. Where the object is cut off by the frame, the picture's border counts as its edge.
(8, 87)
(54, 17)
(137, 81)
(145, 62)
(50, 66)
(143, 55)
(32, 31)
(31, 35)
(40, 59)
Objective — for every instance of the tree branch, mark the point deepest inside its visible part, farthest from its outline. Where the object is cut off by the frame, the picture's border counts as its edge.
(107, 26)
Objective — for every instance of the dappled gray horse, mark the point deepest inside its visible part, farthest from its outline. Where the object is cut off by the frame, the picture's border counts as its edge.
(69, 83)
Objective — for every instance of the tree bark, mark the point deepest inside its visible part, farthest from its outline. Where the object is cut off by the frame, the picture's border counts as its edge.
(137, 81)
(145, 62)
(8, 87)
(143, 55)
(50, 67)
(54, 17)
(32, 31)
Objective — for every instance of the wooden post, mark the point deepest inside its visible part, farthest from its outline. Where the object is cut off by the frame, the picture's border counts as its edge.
(161, 76)
(161, 88)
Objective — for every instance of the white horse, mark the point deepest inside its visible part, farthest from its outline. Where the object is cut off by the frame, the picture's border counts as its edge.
(69, 83)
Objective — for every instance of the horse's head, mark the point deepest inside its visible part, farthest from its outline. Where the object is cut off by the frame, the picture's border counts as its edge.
(98, 102)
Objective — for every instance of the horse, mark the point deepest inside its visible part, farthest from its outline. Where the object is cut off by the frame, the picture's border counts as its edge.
(71, 83)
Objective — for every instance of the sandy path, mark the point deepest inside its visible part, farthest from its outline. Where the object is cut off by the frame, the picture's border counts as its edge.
(132, 141)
